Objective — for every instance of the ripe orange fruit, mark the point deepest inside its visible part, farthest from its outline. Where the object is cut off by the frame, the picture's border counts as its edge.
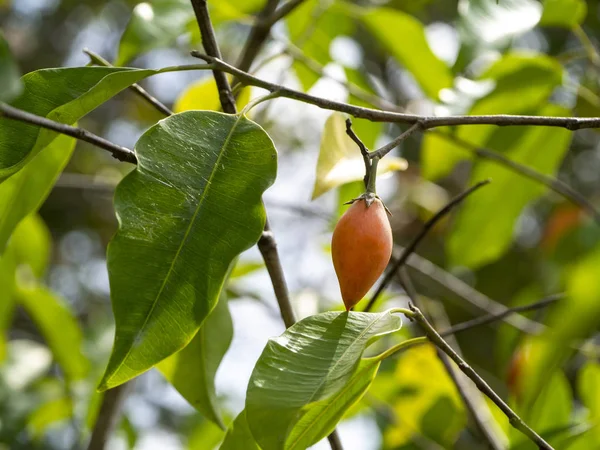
(361, 248)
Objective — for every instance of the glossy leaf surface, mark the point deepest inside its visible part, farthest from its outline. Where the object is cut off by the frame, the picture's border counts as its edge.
(309, 376)
(192, 370)
(63, 95)
(190, 207)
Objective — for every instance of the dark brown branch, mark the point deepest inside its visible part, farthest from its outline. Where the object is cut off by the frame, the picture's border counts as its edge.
(281, 12)
(258, 35)
(380, 153)
(364, 151)
(417, 240)
(108, 416)
(470, 396)
(427, 122)
(140, 91)
(491, 318)
(268, 249)
(513, 418)
(209, 42)
(120, 153)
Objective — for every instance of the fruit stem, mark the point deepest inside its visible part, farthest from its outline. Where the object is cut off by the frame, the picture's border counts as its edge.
(371, 185)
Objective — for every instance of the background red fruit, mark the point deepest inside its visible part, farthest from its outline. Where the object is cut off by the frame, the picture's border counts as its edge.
(361, 249)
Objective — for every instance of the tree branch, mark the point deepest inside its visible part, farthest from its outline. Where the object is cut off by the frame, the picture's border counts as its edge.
(108, 416)
(380, 153)
(209, 42)
(427, 122)
(408, 250)
(471, 397)
(140, 91)
(364, 151)
(258, 35)
(513, 418)
(118, 152)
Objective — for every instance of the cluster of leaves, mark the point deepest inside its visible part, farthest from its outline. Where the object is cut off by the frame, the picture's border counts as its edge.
(194, 203)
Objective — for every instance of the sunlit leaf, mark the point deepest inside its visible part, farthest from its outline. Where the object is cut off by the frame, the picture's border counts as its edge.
(206, 436)
(9, 73)
(204, 95)
(485, 225)
(58, 326)
(190, 207)
(417, 388)
(31, 243)
(7, 302)
(340, 160)
(24, 192)
(192, 370)
(523, 82)
(563, 13)
(394, 29)
(239, 436)
(307, 378)
(242, 268)
(312, 27)
(49, 414)
(62, 95)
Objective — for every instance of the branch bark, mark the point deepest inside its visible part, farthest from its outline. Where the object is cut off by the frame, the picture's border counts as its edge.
(108, 416)
(375, 115)
(118, 152)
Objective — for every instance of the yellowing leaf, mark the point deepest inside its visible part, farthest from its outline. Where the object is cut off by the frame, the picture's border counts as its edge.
(204, 95)
(340, 161)
(422, 383)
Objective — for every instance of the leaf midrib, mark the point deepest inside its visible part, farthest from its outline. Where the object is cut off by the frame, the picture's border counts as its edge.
(183, 241)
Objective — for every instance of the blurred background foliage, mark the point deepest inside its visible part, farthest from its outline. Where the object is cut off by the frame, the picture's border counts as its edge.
(515, 241)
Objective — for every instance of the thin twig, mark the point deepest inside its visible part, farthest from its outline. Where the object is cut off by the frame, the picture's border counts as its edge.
(427, 122)
(364, 151)
(408, 250)
(209, 42)
(474, 298)
(258, 35)
(491, 318)
(108, 416)
(143, 93)
(553, 183)
(281, 12)
(380, 153)
(121, 153)
(513, 418)
(470, 396)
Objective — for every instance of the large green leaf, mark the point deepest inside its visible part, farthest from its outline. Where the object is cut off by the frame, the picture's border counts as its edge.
(62, 95)
(9, 73)
(239, 436)
(192, 370)
(24, 192)
(404, 37)
(523, 83)
(563, 13)
(485, 225)
(190, 207)
(206, 436)
(312, 28)
(340, 160)
(7, 303)
(58, 326)
(309, 376)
